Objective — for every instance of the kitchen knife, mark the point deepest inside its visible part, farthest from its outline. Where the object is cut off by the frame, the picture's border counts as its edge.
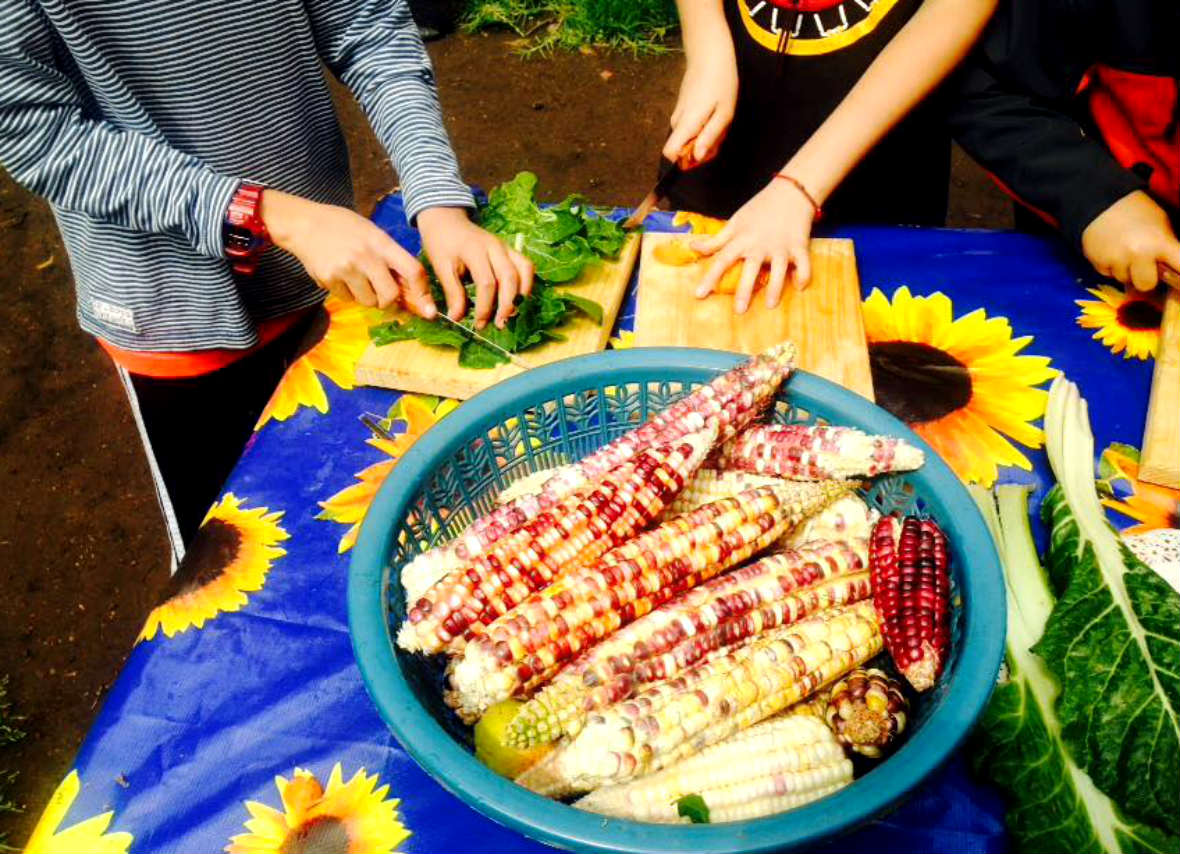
(486, 342)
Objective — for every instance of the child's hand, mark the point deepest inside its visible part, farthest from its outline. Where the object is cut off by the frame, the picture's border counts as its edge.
(456, 245)
(1129, 239)
(704, 108)
(339, 248)
(772, 228)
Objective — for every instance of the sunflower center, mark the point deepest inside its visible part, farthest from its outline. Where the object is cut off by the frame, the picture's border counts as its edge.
(323, 834)
(213, 549)
(1140, 314)
(316, 331)
(917, 382)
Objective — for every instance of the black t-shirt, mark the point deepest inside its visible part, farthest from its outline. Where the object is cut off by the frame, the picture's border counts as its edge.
(788, 85)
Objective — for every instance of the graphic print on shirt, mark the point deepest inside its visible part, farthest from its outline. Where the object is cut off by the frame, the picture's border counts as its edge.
(811, 27)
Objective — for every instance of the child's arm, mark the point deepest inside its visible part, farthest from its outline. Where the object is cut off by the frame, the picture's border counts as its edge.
(774, 227)
(374, 48)
(1011, 113)
(708, 91)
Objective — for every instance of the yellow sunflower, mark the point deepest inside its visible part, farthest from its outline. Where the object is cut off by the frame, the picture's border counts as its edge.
(89, 835)
(958, 382)
(229, 557)
(344, 818)
(1149, 504)
(335, 343)
(1128, 322)
(624, 340)
(417, 413)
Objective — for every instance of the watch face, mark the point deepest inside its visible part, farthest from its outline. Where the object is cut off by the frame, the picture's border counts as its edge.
(238, 239)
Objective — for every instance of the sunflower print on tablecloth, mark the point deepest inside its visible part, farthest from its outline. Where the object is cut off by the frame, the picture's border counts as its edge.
(228, 559)
(960, 383)
(1127, 321)
(409, 417)
(1150, 505)
(335, 343)
(340, 817)
(89, 835)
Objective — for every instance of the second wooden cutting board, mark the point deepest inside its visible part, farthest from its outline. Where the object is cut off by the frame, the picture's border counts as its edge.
(824, 321)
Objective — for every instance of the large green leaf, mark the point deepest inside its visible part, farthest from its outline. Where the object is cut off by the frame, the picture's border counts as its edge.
(1053, 805)
(1113, 640)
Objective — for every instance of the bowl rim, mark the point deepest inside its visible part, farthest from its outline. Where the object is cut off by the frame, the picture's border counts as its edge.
(555, 823)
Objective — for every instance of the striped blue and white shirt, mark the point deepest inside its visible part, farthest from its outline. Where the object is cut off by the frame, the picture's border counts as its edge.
(138, 120)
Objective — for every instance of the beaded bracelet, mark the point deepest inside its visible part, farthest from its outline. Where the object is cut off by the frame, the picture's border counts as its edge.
(798, 185)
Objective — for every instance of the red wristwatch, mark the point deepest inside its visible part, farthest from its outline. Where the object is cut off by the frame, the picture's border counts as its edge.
(245, 235)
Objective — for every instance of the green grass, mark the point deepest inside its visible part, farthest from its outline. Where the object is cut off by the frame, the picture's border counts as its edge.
(638, 26)
(8, 734)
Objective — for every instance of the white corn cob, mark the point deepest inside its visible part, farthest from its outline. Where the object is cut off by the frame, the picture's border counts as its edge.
(845, 520)
(733, 400)
(817, 452)
(672, 720)
(773, 766)
(709, 485)
(530, 484)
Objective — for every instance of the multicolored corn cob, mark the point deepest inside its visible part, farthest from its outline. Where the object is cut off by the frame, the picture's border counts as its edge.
(709, 485)
(911, 589)
(530, 484)
(672, 720)
(733, 400)
(810, 452)
(867, 711)
(775, 590)
(522, 650)
(579, 530)
(773, 766)
(846, 520)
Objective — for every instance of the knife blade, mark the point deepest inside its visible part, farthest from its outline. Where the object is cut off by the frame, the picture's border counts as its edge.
(487, 342)
(668, 170)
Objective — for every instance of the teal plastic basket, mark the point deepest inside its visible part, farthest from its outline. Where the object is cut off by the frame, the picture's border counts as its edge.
(561, 412)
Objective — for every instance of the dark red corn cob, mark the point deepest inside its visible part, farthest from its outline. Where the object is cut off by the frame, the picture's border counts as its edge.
(908, 560)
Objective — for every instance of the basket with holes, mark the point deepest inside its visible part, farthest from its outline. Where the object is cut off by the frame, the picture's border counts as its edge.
(561, 412)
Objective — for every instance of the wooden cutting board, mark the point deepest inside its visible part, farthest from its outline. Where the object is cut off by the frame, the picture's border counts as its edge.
(410, 366)
(824, 321)
(1160, 461)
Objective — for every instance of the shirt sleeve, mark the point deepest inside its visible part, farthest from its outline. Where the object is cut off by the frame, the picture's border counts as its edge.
(374, 48)
(50, 144)
(1012, 112)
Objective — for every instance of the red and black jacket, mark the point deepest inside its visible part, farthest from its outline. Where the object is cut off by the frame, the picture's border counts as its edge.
(1072, 104)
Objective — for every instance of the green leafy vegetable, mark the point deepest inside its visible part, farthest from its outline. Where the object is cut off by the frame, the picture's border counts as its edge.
(694, 808)
(1054, 806)
(560, 240)
(1113, 639)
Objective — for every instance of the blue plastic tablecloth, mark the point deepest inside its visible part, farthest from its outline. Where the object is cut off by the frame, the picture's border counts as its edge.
(246, 674)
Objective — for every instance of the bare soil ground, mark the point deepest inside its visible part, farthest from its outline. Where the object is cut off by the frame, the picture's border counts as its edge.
(82, 549)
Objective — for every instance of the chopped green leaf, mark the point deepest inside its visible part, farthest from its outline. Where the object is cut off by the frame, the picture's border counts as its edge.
(475, 355)
(560, 240)
(588, 307)
(694, 808)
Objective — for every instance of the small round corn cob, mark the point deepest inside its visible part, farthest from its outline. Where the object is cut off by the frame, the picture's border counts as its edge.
(733, 400)
(522, 650)
(908, 560)
(771, 591)
(846, 520)
(579, 530)
(810, 452)
(709, 485)
(867, 711)
(773, 766)
(672, 720)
